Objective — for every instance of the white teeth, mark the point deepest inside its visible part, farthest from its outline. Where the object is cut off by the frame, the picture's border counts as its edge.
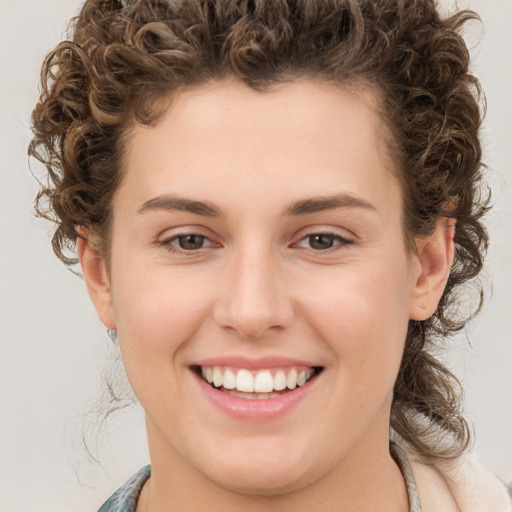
(244, 381)
(229, 380)
(218, 378)
(291, 379)
(261, 383)
(279, 380)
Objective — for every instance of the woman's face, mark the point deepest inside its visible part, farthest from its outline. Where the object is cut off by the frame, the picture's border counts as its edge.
(257, 240)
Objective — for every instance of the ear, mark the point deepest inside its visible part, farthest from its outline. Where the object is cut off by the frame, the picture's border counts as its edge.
(96, 278)
(433, 261)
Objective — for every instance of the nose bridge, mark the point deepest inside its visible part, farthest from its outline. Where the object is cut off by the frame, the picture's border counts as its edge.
(255, 297)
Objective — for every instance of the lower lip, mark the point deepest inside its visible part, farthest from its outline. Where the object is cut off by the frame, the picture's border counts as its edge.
(255, 409)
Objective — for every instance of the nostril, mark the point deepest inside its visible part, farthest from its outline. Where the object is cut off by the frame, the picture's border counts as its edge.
(253, 304)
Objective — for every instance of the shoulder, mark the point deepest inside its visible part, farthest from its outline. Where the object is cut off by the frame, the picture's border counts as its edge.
(463, 485)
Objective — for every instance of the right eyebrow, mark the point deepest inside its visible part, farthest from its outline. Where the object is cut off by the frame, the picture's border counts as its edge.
(170, 202)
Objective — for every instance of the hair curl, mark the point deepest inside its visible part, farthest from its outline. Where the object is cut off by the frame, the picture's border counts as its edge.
(123, 56)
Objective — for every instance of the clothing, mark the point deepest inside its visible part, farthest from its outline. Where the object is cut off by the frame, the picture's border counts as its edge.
(462, 486)
(126, 497)
(402, 461)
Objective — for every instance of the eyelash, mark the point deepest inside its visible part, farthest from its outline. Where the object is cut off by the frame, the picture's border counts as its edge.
(338, 242)
(168, 243)
(342, 241)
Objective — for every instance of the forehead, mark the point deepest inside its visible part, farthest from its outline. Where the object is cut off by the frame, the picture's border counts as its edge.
(302, 137)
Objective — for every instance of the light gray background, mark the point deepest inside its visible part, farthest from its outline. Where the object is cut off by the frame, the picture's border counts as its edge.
(53, 348)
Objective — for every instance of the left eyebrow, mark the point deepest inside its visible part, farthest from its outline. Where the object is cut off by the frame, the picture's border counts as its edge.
(167, 202)
(318, 204)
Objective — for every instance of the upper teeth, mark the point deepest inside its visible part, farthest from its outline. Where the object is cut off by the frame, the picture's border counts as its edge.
(262, 381)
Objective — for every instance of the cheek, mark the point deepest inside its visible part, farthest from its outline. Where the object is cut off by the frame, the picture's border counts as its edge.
(156, 311)
(362, 315)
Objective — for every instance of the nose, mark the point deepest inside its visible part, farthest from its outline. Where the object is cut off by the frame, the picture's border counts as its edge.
(254, 299)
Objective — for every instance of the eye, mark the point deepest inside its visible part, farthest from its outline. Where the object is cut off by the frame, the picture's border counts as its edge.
(190, 242)
(187, 242)
(323, 241)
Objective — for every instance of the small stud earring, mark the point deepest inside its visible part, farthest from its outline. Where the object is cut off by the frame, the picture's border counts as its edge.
(112, 334)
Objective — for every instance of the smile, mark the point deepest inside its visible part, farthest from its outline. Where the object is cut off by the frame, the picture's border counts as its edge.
(256, 384)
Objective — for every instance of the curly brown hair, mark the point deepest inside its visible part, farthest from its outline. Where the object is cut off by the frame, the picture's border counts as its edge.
(122, 56)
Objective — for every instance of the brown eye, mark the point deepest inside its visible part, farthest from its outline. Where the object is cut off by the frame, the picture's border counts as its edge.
(321, 241)
(190, 242)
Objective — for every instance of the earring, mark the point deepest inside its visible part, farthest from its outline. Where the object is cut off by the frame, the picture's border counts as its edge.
(112, 334)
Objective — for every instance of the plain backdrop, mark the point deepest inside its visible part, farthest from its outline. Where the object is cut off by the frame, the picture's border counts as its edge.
(53, 349)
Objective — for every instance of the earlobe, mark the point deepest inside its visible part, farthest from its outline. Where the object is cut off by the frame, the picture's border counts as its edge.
(96, 278)
(434, 259)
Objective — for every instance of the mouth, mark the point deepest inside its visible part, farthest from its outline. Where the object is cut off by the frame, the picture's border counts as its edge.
(253, 384)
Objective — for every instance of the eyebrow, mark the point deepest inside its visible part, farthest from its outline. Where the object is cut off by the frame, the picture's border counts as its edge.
(319, 204)
(303, 207)
(166, 202)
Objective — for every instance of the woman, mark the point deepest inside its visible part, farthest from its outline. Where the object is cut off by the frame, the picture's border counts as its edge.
(274, 205)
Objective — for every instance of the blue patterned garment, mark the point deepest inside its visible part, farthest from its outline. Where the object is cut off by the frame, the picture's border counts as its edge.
(125, 498)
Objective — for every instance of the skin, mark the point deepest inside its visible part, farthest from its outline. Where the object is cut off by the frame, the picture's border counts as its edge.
(257, 287)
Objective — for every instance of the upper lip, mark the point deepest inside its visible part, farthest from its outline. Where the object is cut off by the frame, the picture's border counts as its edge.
(266, 362)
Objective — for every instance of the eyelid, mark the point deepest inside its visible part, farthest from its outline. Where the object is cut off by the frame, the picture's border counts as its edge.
(325, 230)
(174, 232)
(343, 240)
(167, 237)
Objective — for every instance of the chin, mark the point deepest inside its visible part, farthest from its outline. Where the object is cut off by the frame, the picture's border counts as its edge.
(260, 483)
(262, 479)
